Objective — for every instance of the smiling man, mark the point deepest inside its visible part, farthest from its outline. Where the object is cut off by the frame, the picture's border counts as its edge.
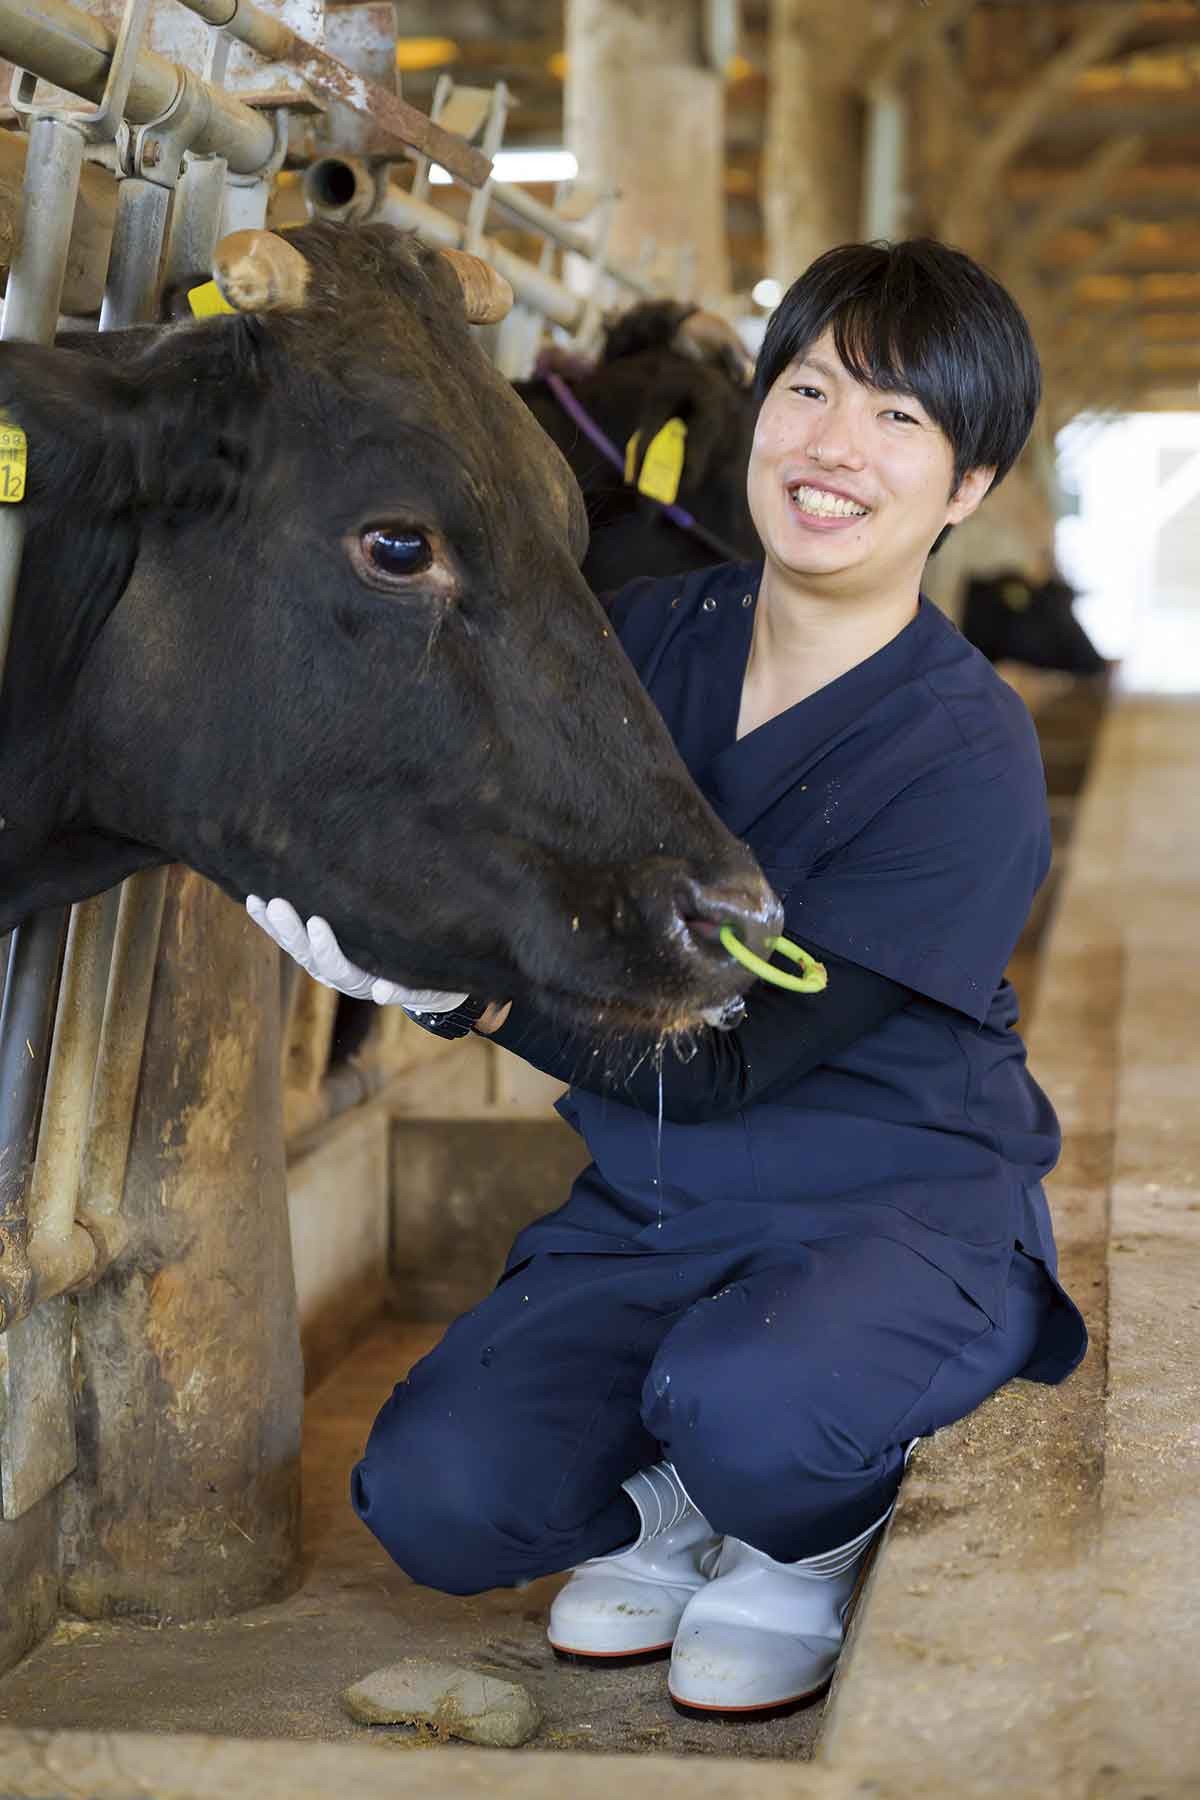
(823, 1236)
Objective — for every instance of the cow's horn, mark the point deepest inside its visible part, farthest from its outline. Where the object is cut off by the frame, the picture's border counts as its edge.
(486, 295)
(258, 271)
(707, 337)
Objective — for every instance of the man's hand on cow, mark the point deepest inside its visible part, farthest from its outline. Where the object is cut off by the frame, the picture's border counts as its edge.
(315, 947)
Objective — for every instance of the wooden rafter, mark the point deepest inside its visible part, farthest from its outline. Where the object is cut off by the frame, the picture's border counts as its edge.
(911, 41)
(1085, 189)
(987, 161)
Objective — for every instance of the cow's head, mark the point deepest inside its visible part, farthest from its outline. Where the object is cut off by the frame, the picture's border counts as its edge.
(661, 360)
(300, 607)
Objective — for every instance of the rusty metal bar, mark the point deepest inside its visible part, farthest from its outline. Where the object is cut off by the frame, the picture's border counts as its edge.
(391, 115)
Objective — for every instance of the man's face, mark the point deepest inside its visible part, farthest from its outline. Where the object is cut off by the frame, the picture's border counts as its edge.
(850, 486)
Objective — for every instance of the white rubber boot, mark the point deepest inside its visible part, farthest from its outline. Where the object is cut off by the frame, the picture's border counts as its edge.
(762, 1633)
(630, 1603)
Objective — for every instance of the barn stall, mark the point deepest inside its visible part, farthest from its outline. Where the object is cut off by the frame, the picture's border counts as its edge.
(222, 1186)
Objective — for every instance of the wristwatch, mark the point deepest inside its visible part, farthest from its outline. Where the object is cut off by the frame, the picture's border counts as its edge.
(456, 1023)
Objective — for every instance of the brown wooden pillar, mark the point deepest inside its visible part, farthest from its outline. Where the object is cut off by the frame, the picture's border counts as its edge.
(645, 114)
(185, 1502)
(812, 169)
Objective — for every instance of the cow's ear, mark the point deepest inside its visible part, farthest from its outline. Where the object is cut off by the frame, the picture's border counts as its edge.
(693, 396)
(77, 414)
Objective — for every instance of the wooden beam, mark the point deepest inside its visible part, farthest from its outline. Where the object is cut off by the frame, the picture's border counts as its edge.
(911, 41)
(1079, 195)
(992, 156)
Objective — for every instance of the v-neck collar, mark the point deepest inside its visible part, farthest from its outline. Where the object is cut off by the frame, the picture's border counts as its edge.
(748, 775)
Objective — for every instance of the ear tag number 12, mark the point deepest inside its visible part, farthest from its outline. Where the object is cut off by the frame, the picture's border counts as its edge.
(13, 461)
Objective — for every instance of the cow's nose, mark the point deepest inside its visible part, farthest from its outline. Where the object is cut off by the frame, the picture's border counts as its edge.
(747, 904)
(690, 912)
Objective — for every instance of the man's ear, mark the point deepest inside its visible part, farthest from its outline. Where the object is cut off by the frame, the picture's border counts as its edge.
(969, 493)
(77, 415)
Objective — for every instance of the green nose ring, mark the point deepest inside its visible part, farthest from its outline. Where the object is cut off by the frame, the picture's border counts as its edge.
(811, 981)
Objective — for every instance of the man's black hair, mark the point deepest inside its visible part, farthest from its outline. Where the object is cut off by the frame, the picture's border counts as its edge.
(919, 318)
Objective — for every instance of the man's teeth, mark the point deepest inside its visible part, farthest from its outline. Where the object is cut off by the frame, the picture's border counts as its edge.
(829, 506)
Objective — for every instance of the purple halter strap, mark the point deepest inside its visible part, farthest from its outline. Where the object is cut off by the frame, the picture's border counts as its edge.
(678, 515)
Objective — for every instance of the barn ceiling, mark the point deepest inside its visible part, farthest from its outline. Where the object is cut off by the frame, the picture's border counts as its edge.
(1097, 209)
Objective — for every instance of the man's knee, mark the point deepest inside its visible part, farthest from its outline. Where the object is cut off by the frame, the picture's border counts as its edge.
(439, 1499)
(764, 1445)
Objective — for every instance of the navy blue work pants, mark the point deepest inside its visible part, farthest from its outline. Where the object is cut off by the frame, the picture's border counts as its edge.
(783, 1383)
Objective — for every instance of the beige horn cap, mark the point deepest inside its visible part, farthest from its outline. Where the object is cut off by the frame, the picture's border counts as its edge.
(259, 271)
(486, 295)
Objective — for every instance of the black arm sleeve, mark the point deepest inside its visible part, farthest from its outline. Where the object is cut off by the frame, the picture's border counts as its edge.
(783, 1036)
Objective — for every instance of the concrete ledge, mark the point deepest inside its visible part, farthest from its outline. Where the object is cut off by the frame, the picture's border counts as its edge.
(1034, 1625)
(64, 1765)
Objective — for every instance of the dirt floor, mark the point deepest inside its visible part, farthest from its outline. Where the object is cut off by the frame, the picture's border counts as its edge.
(279, 1671)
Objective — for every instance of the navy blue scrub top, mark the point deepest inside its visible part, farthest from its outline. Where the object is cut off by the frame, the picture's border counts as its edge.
(900, 815)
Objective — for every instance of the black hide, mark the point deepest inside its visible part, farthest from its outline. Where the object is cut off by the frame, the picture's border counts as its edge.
(1012, 619)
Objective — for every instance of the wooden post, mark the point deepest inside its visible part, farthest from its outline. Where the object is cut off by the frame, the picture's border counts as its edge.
(812, 178)
(644, 114)
(185, 1503)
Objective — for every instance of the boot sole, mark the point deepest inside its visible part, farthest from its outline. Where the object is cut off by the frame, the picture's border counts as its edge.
(613, 1659)
(738, 1715)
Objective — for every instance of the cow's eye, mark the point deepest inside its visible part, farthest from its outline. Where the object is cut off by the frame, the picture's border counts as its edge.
(396, 552)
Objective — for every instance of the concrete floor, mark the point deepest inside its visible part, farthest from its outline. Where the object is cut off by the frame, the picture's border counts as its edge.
(279, 1671)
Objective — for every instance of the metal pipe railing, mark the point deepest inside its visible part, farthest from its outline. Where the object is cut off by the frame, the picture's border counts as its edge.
(74, 51)
(341, 188)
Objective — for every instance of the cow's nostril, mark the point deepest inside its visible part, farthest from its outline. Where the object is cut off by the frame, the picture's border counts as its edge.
(749, 907)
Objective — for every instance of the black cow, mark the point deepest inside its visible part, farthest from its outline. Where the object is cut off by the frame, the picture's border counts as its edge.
(661, 360)
(1013, 619)
(300, 607)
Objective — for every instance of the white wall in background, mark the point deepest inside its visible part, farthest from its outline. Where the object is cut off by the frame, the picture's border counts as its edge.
(1133, 548)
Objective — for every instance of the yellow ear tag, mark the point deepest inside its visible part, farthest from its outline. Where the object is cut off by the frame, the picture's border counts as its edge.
(207, 300)
(13, 458)
(631, 451)
(662, 468)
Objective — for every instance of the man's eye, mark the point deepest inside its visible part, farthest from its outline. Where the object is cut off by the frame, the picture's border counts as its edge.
(809, 392)
(894, 412)
(396, 552)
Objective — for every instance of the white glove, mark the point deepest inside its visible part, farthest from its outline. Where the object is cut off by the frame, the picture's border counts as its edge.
(317, 950)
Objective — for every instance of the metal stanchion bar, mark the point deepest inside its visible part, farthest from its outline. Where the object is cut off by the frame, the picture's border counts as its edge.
(119, 1058)
(61, 1252)
(25, 1021)
(195, 218)
(132, 286)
